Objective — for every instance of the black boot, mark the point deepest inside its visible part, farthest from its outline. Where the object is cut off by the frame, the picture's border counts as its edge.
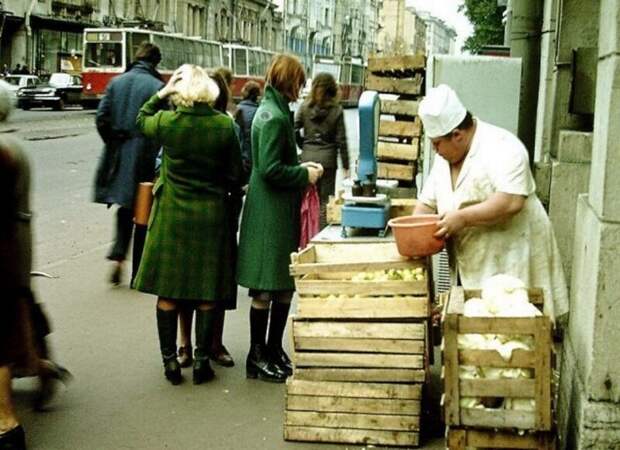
(14, 439)
(204, 335)
(258, 364)
(167, 328)
(279, 316)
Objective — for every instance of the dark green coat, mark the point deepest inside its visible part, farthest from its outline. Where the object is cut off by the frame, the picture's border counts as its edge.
(270, 222)
(188, 252)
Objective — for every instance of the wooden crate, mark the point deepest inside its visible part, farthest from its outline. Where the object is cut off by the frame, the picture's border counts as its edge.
(398, 207)
(396, 64)
(354, 413)
(390, 85)
(461, 439)
(393, 171)
(539, 359)
(398, 151)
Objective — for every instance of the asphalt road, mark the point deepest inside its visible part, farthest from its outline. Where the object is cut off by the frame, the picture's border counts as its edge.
(107, 336)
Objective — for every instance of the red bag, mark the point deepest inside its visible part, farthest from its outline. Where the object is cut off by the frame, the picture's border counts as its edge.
(310, 216)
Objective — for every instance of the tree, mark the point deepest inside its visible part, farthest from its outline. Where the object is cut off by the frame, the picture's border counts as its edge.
(486, 17)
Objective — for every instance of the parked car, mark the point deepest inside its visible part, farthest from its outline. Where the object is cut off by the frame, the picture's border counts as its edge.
(16, 82)
(61, 89)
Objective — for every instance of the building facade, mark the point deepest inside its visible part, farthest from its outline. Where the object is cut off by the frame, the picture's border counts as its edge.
(402, 30)
(440, 37)
(46, 35)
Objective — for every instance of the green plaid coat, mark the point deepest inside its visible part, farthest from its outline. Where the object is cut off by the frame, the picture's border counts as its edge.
(190, 245)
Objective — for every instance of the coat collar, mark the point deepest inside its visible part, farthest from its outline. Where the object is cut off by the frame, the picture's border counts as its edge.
(199, 109)
(272, 95)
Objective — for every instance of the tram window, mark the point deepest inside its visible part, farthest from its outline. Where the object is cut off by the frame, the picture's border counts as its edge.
(226, 57)
(357, 74)
(217, 56)
(240, 61)
(213, 56)
(345, 74)
(103, 54)
(165, 46)
(199, 49)
(254, 64)
(133, 42)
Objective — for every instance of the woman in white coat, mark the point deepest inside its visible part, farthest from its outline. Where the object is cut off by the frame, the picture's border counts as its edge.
(484, 191)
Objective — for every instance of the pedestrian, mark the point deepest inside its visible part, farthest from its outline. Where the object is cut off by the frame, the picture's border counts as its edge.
(324, 136)
(187, 256)
(244, 116)
(482, 187)
(21, 339)
(25, 70)
(270, 224)
(18, 69)
(128, 157)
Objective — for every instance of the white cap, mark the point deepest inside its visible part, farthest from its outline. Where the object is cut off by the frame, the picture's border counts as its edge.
(441, 111)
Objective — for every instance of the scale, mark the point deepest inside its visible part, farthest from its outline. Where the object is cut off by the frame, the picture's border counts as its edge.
(368, 211)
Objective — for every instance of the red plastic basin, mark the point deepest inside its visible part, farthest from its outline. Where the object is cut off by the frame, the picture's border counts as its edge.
(414, 235)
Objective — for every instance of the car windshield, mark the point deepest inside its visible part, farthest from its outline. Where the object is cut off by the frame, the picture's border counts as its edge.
(12, 80)
(103, 54)
(60, 79)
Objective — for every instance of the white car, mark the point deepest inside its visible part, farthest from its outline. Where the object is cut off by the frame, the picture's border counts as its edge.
(16, 82)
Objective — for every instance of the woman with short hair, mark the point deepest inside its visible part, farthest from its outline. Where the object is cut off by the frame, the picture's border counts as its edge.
(270, 225)
(187, 256)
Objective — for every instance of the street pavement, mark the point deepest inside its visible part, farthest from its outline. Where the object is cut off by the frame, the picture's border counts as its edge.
(106, 336)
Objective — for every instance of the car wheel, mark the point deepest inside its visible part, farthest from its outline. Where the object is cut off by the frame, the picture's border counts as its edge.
(60, 105)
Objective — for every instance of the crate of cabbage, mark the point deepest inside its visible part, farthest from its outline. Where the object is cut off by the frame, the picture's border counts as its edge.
(497, 358)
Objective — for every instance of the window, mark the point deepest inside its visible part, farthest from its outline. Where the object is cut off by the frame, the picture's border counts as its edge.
(240, 66)
(254, 63)
(357, 74)
(133, 42)
(103, 54)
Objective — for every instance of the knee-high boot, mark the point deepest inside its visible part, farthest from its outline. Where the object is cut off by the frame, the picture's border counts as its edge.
(204, 335)
(277, 323)
(258, 363)
(167, 330)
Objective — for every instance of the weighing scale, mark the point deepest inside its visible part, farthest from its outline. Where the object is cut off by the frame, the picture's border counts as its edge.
(367, 212)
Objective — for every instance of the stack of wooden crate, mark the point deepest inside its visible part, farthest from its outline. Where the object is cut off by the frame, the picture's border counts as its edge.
(360, 347)
(494, 427)
(399, 139)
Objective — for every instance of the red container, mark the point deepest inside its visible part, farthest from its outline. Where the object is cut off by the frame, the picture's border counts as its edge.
(414, 235)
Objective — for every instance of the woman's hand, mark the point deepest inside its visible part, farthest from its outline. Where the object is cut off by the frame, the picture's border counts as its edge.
(314, 174)
(450, 224)
(314, 165)
(170, 87)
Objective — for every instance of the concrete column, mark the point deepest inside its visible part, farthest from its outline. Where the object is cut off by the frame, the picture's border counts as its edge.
(19, 48)
(589, 415)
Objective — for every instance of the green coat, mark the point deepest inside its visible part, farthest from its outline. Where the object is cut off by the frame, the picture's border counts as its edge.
(189, 253)
(270, 222)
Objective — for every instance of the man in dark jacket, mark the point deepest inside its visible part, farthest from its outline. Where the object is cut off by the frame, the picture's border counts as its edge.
(128, 157)
(244, 117)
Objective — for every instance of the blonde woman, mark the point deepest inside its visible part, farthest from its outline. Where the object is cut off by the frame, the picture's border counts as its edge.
(187, 257)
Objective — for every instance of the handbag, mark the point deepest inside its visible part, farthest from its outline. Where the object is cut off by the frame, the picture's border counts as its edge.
(144, 202)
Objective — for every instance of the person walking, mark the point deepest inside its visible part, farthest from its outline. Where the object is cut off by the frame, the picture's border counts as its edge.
(321, 134)
(246, 110)
(128, 157)
(270, 224)
(187, 255)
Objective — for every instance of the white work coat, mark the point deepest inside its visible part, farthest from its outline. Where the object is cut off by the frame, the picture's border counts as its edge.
(524, 246)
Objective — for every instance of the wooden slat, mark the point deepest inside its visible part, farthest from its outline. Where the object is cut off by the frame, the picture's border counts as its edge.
(354, 252)
(369, 375)
(327, 359)
(519, 388)
(399, 128)
(353, 405)
(495, 439)
(491, 358)
(353, 421)
(396, 63)
(350, 330)
(457, 439)
(330, 344)
(451, 370)
(497, 325)
(456, 300)
(400, 107)
(326, 267)
(313, 286)
(498, 418)
(411, 86)
(307, 255)
(354, 390)
(395, 150)
(404, 172)
(374, 437)
(363, 308)
(543, 373)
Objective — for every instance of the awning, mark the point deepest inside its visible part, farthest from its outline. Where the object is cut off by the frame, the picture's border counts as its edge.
(61, 23)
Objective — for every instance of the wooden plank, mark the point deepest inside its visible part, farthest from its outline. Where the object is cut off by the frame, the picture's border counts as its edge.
(363, 308)
(497, 418)
(456, 300)
(498, 439)
(395, 150)
(331, 344)
(352, 405)
(365, 437)
(351, 330)
(367, 266)
(391, 171)
(354, 390)
(396, 63)
(399, 128)
(409, 86)
(342, 252)
(497, 325)
(543, 373)
(514, 388)
(490, 358)
(313, 286)
(400, 107)
(369, 375)
(378, 360)
(353, 421)
(307, 255)
(451, 371)
(456, 439)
